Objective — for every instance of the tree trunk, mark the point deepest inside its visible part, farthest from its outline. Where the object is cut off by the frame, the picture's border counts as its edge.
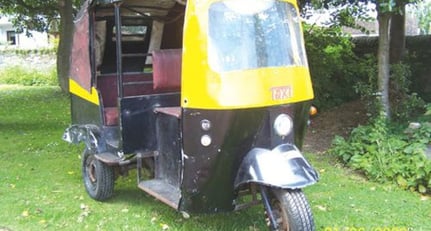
(383, 62)
(397, 34)
(65, 43)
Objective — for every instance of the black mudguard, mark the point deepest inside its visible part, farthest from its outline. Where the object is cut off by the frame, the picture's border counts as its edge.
(283, 167)
(89, 134)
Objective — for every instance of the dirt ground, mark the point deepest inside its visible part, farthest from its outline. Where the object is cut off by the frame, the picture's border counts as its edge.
(336, 121)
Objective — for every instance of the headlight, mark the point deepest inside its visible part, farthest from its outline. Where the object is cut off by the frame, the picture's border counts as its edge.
(206, 140)
(283, 125)
(205, 125)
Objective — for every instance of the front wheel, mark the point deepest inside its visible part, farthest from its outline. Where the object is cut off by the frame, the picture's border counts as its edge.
(290, 210)
(98, 177)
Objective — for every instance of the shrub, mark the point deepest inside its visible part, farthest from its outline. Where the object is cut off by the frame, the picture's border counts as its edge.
(404, 103)
(333, 65)
(25, 52)
(385, 153)
(28, 77)
(418, 57)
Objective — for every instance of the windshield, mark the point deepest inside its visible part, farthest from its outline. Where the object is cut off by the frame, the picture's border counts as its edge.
(247, 36)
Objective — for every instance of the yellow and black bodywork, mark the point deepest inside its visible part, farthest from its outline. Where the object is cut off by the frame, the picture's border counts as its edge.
(215, 93)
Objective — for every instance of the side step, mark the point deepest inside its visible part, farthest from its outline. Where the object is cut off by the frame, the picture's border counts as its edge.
(113, 160)
(162, 191)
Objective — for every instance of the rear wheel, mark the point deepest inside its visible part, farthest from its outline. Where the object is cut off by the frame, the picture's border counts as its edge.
(98, 177)
(290, 210)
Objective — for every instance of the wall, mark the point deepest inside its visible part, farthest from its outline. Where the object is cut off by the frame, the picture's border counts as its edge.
(29, 60)
(37, 40)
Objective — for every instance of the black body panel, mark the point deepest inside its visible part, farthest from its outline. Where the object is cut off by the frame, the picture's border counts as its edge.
(85, 112)
(138, 120)
(209, 172)
(168, 162)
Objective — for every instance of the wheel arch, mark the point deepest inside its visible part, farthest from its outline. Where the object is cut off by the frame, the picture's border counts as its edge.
(89, 134)
(283, 167)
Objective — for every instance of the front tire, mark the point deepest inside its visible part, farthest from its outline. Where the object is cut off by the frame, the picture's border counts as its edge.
(291, 210)
(98, 177)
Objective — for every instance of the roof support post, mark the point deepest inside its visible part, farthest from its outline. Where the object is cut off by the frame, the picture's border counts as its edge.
(118, 38)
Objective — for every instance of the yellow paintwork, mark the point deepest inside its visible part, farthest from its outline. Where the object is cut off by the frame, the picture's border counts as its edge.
(250, 88)
(79, 91)
(206, 89)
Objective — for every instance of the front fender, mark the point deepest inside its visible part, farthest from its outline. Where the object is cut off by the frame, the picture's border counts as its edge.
(89, 134)
(283, 167)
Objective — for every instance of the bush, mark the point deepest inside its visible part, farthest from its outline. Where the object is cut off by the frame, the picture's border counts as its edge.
(385, 153)
(404, 103)
(28, 77)
(333, 65)
(25, 52)
(418, 57)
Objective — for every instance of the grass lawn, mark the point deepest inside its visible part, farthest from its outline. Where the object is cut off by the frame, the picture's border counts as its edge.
(41, 188)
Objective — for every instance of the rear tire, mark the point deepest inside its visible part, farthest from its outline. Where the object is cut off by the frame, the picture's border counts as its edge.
(98, 177)
(291, 210)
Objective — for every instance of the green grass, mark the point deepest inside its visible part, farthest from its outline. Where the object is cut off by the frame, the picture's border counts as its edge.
(28, 76)
(41, 188)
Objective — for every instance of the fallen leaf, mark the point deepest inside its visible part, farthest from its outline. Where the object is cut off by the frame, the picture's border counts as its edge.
(422, 189)
(25, 213)
(321, 208)
(425, 198)
(39, 211)
(165, 226)
(185, 215)
(83, 207)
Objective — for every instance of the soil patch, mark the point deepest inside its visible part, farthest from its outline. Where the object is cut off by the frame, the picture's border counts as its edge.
(339, 121)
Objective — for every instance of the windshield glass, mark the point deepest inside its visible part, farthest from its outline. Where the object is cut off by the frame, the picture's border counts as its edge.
(245, 36)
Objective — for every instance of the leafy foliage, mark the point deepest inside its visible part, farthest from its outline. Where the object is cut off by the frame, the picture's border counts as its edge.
(384, 153)
(333, 65)
(386, 10)
(423, 13)
(28, 77)
(30, 15)
(50, 15)
(419, 57)
(35, 15)
(405, 104)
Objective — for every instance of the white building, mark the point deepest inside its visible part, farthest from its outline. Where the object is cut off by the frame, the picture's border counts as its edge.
(9, 37)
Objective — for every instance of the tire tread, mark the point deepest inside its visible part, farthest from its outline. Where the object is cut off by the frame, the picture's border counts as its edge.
(298, 209)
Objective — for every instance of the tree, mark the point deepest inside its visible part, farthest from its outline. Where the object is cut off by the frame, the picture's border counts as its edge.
(391, 18)
(65, 42)
(37, 15)
(384, 18)
(397, 33)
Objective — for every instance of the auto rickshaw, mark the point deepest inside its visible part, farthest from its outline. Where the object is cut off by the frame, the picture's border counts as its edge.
(207, 100)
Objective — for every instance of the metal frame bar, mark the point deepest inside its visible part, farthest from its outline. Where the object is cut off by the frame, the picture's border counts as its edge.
(118, 38)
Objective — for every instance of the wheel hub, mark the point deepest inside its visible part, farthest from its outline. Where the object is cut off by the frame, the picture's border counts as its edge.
(91, 170)
(281, 217)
